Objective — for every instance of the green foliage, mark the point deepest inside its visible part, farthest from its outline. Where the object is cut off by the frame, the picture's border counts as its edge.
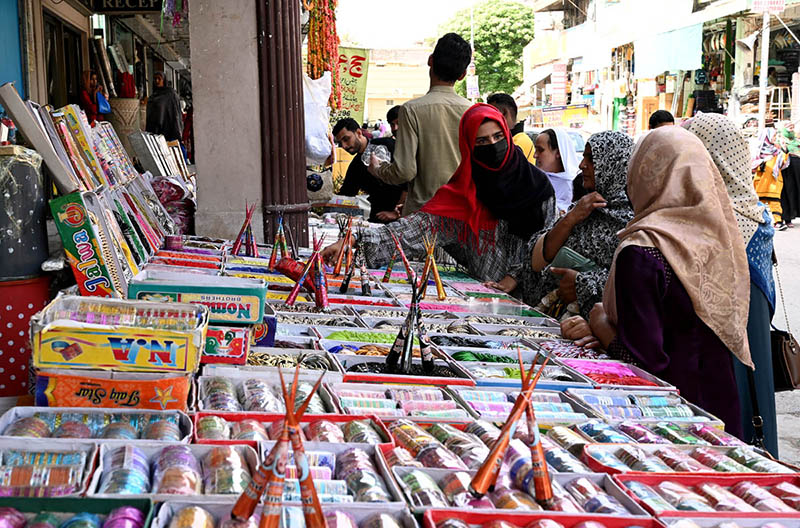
(502, 29)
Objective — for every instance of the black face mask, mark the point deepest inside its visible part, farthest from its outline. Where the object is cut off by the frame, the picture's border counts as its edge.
(491, 155)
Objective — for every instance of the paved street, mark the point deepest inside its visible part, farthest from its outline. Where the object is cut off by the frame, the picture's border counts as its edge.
(786, 243)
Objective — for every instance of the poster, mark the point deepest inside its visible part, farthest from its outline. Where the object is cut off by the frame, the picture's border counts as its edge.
(472, 87)
(353, 68)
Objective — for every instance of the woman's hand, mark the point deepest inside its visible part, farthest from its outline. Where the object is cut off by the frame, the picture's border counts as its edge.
(601, 325)
(330, 253)
(577, 329)
(584, 207)
(507, 284)
(566, 286)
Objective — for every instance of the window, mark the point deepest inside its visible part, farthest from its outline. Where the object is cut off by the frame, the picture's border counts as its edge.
(63, 62)
(390, 102)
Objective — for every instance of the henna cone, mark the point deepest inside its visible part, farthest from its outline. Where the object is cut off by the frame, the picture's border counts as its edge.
(269, 477)
(543, 488)
(412, 277)
(437, 280)
(388, 274)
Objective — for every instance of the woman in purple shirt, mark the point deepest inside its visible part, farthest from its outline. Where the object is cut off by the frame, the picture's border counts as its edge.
(676, 301)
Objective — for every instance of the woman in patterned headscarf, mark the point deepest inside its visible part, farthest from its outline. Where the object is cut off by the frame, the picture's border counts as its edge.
(588, 229)
(768, 164)
(730, 153)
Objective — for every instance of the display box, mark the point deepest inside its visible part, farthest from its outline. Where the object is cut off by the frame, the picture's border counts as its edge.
(361, 512)
(134, 336)
(230, 300)
(433, 518)
(66, 507)
(337, 389)
(269, 418)
(17, 413)
(725, 481)
(151, 450)
(350, 362)
(87, 241)
(226, 344)
(116, 390)
(263, 333)
(88, 454)
(587, 366)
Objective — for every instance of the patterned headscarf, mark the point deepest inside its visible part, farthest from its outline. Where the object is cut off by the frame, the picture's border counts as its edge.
(682, 208)
(730, 153)
(611, 152)
(768, 148)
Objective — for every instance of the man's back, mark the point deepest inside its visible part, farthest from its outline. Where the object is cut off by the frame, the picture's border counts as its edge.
(427, 152)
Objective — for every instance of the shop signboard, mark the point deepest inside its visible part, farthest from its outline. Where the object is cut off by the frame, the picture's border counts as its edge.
(126, 6)
(353, 69)
(773, 7)
(472, 87)
(559, 82)
(572, 116)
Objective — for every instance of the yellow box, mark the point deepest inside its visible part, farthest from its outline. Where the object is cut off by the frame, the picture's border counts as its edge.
(119, 334)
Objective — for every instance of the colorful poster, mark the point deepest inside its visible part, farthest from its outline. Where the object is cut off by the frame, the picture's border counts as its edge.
(353, 68)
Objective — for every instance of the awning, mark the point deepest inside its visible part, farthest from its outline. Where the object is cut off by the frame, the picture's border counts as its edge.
(539, 74)
(681, 49)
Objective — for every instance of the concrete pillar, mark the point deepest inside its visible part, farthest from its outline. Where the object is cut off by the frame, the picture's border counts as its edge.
(227, 125)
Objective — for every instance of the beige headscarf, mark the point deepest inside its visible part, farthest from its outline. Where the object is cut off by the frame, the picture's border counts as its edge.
(682, 208)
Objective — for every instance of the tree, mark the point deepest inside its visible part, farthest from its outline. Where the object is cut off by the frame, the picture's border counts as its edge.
(502, 29)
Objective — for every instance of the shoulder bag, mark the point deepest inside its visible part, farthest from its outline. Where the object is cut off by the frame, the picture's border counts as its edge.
(785, 350)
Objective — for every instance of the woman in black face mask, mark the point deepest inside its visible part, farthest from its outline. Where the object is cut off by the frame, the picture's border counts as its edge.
(484, 216)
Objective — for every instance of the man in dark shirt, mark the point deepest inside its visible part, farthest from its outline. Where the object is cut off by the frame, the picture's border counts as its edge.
(383, 197)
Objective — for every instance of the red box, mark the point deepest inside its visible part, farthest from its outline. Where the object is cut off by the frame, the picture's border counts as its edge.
(270, 418)
(433, 517)
(725, 480)
(226, 344)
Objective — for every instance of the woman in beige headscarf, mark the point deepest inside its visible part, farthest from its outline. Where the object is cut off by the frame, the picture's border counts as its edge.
(676, 300)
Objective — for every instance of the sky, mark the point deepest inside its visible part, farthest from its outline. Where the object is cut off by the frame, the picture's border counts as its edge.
(393, 23)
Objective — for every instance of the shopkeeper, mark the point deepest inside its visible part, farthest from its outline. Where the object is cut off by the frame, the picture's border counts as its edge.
(483, 218)
(384, 198)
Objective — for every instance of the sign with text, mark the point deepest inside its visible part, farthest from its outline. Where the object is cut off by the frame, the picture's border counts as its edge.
(353, 68)
(472, 87)
(559, 83)
(127, 6)
(774, 7)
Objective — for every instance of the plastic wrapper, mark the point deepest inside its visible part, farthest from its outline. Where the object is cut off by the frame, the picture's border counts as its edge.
(119, 431)
(721, 499)
(423, 490)
(718, 461)
(641, 434)
(225, 472)
(438, 456)
(756, 462)
(606, 458)
(682, 498)
(363, 480)
(676, 435)
(545, 523)
(562, 500)
(604, 433)
(213, 428)
(680, 461)
(649, 496)
(248, 429)
(487, 432)
(452, 523)
(399, 456)
(760, 498)
(162, 431)
(220, 395)
(788, 493)
(714, 436)
(568, 439)
(638, 460)
(256, 395)
(560, 459)
(362, 431)
(455, 487)
(378, 520)
(176, 471)
(511, 499)
(593, 498)
(412, 437)
(324, 431)
(126, 471)
(192, 517)
(340, 519)
(424, 394)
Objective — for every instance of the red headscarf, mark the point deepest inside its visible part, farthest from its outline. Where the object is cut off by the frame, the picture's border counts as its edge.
(458, 199)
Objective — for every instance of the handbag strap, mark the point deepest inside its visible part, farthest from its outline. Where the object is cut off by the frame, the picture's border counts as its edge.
(780, 289)
(757, 420)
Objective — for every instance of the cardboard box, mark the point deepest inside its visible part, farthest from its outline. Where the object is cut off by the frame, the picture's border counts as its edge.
(43, 445)
(229, 299)
(15, 413)
(65, 508)
(117, 390)
(115, 339)
(479, 519)
(226, 344)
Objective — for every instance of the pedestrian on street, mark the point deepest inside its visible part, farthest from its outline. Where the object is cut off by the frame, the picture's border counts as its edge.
(164, 110)
(391, 117)
(730, 153)
(484, 217)
(88, 98)
(427, 152)
(555, 155)
(382, 197)
(508, 107)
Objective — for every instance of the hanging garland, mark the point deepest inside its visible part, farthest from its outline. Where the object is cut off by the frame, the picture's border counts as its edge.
(323, 45)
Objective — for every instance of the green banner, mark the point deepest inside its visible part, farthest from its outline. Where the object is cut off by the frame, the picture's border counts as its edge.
(353, 68)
